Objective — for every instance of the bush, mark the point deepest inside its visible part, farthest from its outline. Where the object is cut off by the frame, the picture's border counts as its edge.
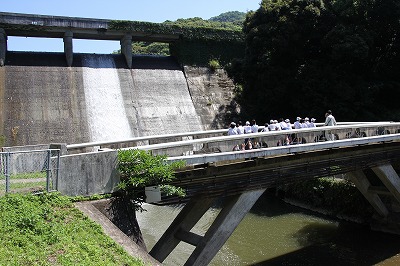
(139, 169)
(213, 64)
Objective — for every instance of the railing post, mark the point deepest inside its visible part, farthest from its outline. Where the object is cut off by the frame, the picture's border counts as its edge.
(48, 171)
(7, 172)
(58, 168)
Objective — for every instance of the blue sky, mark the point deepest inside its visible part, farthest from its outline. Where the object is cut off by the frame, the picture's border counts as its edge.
(150, 11)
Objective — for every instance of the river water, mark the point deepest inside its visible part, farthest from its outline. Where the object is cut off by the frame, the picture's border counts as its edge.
(276, 233)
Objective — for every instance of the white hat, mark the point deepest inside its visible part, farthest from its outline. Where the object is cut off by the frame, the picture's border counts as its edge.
(247, 123)
(287, 120)
(313, 119)
(306, 118)
(298, 118)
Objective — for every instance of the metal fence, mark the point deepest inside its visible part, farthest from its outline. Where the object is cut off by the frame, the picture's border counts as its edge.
(29, 171)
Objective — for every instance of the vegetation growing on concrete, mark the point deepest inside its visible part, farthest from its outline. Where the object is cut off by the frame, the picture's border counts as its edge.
(139, 169)
(46, 229)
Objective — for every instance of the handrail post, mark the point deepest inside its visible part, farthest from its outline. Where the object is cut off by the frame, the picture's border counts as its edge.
(7, 172)
(48, 170)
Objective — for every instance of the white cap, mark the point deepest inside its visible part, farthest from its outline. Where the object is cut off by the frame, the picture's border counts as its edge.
(306, 119)
(313, 119)
(247, 123)
(287, 120)
(298, 118)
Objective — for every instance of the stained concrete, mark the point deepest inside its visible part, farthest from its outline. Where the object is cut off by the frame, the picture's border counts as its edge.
(43, 100)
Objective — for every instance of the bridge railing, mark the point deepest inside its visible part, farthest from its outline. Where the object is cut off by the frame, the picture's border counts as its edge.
(194, 144)
(272, 138)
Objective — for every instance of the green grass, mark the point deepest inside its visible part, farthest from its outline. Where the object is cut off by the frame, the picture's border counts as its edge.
(28, 175)
(47, 229)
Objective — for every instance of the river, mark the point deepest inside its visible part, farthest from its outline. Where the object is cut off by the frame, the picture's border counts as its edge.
(276, 233)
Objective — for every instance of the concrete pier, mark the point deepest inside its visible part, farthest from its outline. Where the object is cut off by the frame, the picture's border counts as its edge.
(126, 49)
(3, 47)
(68, 49)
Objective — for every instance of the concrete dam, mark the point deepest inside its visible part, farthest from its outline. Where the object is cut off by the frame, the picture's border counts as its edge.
(100, 99)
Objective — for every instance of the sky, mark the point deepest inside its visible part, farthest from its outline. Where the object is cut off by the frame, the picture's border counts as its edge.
(134, 10)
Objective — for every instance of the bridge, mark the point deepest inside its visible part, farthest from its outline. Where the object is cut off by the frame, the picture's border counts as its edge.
(68, 28)
(239, 178)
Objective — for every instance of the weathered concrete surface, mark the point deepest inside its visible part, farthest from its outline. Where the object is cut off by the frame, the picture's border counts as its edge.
(212, 93)
(43, 100)
(88, 173)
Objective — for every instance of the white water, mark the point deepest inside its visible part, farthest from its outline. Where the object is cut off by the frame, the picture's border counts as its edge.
(104, 103)
(163, 102)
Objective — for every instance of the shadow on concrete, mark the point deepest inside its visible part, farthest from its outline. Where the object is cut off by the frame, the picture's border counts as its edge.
(53, 59)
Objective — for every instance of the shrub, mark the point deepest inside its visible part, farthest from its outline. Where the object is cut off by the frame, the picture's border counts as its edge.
(139, 169)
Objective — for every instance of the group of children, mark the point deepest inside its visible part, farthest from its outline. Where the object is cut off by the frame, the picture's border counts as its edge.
(273, 125)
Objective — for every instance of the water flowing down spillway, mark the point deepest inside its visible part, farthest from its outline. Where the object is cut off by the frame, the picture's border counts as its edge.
(104, 103)
(163, 101)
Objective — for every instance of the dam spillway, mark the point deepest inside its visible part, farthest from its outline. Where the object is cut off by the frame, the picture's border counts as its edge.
(98, 98)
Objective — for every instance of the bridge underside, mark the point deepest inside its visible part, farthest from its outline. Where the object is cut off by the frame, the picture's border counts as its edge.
(241, 183)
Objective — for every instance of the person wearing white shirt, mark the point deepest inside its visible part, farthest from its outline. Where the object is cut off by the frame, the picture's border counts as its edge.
(232, 129)
(240, 128)
(247, 128)
(254, 126)
(271, 125)
(307, 122)
(312, 123)
(288, 123)
(329, 121)
(297, 124)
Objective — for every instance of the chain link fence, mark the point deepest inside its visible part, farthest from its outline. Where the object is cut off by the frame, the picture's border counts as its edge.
(29, 171)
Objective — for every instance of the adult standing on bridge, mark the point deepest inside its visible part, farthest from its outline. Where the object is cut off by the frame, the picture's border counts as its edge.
(329, 121)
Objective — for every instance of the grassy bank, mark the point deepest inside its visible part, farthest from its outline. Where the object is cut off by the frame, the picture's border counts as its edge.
(47, 229)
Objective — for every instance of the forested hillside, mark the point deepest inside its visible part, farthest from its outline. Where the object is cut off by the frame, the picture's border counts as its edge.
(306, 56)
(230, 20)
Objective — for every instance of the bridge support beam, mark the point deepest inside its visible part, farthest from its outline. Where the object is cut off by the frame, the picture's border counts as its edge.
(69, 54)
(126, 49)
(3, 47)
(389, 178)
(207, 246)
(363, 185)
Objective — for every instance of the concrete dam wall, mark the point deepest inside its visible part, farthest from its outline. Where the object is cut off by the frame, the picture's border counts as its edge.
(97, 99)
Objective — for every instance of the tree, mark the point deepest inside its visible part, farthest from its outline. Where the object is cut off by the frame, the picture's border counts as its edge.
(306, 56)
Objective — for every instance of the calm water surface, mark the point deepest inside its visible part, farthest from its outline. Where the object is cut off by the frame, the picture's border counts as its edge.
(275, 233)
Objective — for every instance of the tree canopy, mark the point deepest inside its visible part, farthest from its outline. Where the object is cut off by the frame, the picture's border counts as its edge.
(306, 56)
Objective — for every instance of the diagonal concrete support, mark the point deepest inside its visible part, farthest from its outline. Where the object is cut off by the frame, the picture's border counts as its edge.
(184, 222)
(222, 228)
(207, 246)
(126, 49)
(69, 54)
(3, 47)
(389, 178)
(363, 185)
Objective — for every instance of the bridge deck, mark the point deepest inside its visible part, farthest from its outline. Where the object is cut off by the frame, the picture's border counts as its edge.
(234, 177)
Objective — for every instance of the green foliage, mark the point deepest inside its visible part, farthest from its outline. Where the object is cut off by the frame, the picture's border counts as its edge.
(139, 169)
(189, 29)
(338, 196)
(2, 140)
(46, 229)
(234, 17)
(319, 55)
(213, 64)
